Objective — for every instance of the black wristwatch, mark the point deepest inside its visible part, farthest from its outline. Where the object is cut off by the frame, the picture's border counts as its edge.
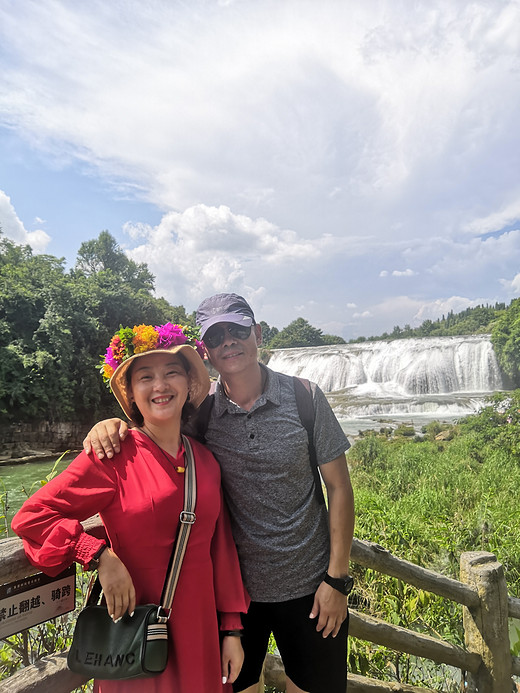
(94, 561)
(342, 584)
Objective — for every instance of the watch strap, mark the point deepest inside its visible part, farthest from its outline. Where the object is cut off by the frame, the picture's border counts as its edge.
(342, 584)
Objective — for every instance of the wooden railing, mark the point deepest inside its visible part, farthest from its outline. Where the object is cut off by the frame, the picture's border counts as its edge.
(482, 591)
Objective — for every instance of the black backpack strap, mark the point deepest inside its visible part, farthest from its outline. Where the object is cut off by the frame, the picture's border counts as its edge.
(198, 425)
(302, 391)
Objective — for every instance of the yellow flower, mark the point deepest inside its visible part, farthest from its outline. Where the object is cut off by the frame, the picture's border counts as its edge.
(145, 338)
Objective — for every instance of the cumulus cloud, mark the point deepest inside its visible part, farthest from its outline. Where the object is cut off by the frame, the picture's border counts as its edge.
(14, 229)
(294, 148)
(208, 249)
(512, 286)
(308, 114)
(404, 273)
(398, 273)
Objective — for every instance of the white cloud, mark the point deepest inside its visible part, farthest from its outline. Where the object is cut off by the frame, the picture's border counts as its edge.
(14, 229)
(433, 310)
(497, 220)
(275, 109)
(209, 249)
(512, 286)
(293, 148)
(404, 273)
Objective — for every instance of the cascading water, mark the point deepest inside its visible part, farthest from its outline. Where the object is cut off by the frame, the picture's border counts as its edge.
(414, 379)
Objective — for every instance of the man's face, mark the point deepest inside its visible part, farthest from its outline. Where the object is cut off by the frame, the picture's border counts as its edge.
(235, 350)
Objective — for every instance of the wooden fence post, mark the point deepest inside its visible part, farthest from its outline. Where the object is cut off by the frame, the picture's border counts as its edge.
(486, 625)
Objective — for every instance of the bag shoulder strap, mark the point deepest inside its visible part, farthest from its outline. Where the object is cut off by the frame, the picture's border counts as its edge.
(186, 519)
(305, 404)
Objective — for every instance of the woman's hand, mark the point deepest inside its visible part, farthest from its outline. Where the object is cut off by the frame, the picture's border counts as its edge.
(232, 658)
(117, 585)
(104, 437)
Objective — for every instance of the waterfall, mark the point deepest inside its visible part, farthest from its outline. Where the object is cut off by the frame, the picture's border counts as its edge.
(432, 376)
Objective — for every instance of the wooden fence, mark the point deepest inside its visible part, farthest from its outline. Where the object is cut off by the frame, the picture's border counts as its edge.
(485, 662)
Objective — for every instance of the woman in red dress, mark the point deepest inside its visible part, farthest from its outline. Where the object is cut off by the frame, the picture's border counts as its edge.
(139, 495)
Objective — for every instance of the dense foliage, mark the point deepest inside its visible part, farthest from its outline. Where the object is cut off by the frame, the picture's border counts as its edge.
(299, 333)
(427, 499)
(55, 324)
(505, 336)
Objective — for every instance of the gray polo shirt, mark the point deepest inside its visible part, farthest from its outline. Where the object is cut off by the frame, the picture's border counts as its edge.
(280, 529)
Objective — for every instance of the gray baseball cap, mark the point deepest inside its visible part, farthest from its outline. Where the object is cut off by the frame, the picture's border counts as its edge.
(224, 308)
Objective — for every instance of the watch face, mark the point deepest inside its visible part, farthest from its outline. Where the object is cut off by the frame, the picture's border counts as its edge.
(349, 584)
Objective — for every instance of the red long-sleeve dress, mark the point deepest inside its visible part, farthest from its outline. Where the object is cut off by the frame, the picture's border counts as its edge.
(139, 496)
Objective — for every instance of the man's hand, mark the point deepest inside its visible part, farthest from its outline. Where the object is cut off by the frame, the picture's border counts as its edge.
(330, 606)
(117, 585)
(232, 657)
(105, 437)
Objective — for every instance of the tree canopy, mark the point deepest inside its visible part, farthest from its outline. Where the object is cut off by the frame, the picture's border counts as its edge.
(55, 324)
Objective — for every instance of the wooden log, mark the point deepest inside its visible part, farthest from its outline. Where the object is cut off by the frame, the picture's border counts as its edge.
(380, 559)
(273, 673)
(48, 674)
(362, 684)
(274, 676)
(513, 605)
(13, 561)
(404, 640)
(14, 566)
(486, 626)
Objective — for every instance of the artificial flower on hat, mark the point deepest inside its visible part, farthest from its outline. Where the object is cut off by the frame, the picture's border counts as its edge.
(128, 342)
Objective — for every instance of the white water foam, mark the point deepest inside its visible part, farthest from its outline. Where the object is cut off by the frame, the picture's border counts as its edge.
(406, 379)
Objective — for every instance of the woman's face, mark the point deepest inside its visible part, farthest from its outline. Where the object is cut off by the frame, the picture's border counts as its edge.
(159, 386)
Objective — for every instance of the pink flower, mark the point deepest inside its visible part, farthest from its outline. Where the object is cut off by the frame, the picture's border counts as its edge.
(110, 359)
(170, 335)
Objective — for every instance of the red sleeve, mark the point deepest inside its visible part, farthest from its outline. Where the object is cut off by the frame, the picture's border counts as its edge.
(49, 522)
(230, 593)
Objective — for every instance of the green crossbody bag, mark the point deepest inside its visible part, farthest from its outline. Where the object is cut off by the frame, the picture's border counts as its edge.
(137, 646)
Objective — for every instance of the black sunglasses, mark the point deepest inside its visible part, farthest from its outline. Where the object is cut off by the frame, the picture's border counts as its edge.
(216, 334)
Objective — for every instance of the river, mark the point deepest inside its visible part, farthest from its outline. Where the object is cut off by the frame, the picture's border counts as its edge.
(17, 481)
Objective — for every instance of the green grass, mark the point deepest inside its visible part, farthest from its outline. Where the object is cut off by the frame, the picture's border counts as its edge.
(428, 501)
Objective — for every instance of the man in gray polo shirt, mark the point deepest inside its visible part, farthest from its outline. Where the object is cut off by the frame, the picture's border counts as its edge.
(294, 555)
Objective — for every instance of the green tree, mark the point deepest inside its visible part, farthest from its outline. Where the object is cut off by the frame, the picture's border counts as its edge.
(267, 333)
(103, 254)
(332, 339)
(299, 333)
(505, 337)
(55, 325)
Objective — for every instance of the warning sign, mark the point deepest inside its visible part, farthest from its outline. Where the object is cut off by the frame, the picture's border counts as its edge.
(36, 599)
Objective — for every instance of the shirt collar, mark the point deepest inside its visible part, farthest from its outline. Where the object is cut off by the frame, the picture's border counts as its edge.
(271, 393)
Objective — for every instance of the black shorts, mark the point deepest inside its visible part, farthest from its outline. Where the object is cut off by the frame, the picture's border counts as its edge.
(314, 663)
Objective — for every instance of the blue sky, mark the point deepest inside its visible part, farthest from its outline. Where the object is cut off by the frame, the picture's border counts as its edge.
(355, 163)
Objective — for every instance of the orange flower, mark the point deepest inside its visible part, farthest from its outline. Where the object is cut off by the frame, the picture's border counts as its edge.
(145, 338)
(108, 371)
